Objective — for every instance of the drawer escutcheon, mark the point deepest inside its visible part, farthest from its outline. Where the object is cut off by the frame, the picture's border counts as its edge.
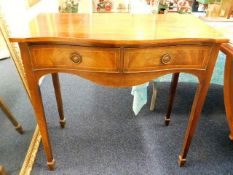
(76, 58)
(166, 59)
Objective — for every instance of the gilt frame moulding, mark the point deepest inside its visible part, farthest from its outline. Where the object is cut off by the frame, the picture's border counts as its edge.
(31, 153)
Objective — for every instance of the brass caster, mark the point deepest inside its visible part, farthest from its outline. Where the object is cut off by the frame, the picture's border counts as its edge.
(51, 165)
(181, 161)
(231, 137)
(19, 128)
(62, 123)
(167, 121)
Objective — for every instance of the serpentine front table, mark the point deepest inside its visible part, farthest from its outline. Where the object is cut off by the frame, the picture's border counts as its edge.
(117, 50)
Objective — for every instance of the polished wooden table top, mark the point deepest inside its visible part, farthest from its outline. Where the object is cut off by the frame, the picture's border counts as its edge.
(225, 28)
(118, 29)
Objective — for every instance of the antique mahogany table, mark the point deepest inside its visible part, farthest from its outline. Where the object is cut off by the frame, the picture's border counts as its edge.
(117, 50)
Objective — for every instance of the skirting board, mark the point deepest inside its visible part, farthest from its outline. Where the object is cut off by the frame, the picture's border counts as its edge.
(31, 153)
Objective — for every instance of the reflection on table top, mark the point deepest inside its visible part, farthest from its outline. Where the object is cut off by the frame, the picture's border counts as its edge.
(226, 28)
(117, 29)
(228, 32)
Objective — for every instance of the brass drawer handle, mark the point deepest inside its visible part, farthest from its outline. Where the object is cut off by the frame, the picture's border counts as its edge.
(76, 58)
(166, 59)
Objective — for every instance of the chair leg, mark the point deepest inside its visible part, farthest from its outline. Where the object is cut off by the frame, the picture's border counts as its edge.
(2, 170)
(174, 82)
(10, 116)
(57, 90)
(153, 97)
(230, 12)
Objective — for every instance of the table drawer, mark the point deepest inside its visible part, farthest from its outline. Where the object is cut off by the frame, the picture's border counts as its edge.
(148, 59)
(82, 58)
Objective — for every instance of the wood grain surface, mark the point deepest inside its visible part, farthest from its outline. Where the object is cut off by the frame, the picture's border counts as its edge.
(117, 29)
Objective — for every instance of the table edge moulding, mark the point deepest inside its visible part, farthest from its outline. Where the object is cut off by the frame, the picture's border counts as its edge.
(127, 50)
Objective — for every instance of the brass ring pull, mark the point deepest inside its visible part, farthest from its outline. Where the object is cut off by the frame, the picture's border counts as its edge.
(166, 59)
(76, 58)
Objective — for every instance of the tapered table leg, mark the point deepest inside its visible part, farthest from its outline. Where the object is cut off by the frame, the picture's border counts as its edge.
(174, 82)
(193, 120)
(198, 102)
(57, 90)
(41, 120)
(228, 92)
(37, 103)
(11, 117)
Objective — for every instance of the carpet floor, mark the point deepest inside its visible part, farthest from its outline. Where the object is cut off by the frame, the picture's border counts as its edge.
(102, 135)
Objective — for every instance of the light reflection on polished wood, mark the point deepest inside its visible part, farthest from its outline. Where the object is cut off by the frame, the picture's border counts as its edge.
(122, 29)
(124, 51)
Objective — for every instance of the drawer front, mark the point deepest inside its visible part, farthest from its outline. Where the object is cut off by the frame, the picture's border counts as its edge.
(159, 58)
(77, 57)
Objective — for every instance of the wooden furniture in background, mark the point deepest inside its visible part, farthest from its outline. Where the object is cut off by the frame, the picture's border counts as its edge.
(10, 116)
(229, 14)
(131, 49)
(154, 96)
(228, 85)
(223, 9)
(226, 8)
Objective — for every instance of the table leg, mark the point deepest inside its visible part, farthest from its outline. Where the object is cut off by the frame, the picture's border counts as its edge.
(57, 90)
(153, 97)
(37, 103)
(198, 102)
(174, 82)
(230, 11)
(11, 117)
(228, 92)
(41, 120)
